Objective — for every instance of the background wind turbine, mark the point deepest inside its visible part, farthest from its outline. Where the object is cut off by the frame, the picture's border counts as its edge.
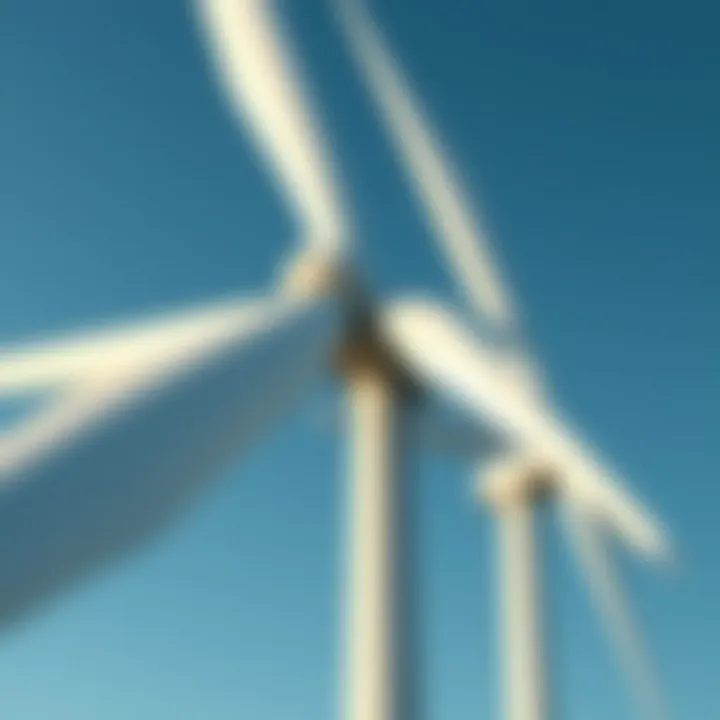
(511, 484)
(141, 419)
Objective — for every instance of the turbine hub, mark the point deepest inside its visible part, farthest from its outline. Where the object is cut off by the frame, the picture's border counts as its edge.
(514, 479)
(313, 274)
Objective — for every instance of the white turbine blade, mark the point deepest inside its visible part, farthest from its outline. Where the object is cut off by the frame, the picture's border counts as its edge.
(265, 90)
(460, 233)
(612, 604)
(50, 362)
(106, 367)
(128, 447)
(446, 356)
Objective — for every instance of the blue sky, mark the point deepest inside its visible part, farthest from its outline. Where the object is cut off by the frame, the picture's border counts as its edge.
(589, 131)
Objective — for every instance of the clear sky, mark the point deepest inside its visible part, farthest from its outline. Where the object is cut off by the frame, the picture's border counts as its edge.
(589, 131)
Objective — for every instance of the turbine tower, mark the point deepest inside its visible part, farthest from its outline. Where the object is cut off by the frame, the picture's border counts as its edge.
(145, 416)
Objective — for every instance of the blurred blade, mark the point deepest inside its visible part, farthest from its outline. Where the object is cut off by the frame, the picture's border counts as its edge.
(264, 88)
(40, 364)
(104, 368)
(612, 604)
(124, 451)
(446, 356)
(460, 233)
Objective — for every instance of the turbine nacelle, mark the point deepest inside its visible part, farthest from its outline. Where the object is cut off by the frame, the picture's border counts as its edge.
(314, 273)
(517, 478)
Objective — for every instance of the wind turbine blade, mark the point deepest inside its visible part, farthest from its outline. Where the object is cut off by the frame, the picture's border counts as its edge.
(265, 90)
(50, 362)
(125, 450)
(448, 212)
(447, 357)
(612, 604)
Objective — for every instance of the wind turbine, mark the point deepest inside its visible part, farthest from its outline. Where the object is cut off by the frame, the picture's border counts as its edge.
(139, 419)
(513, 483)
